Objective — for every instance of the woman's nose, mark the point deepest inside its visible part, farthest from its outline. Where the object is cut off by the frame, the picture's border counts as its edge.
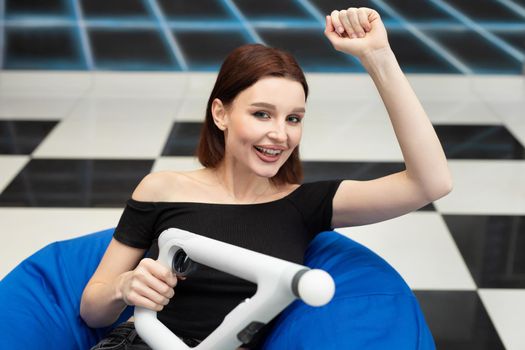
(278, 133)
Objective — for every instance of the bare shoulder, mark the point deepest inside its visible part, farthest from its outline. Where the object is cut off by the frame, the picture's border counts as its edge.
(154, 186)
(168, 186)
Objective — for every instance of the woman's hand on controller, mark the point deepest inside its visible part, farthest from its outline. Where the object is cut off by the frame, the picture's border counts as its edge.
(150, 285)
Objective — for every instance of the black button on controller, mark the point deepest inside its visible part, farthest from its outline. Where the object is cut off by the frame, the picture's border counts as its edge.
(246, 335)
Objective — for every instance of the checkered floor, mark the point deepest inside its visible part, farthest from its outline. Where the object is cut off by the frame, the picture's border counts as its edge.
(74, 145)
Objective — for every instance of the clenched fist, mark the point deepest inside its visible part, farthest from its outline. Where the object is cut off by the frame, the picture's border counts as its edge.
(356, 31)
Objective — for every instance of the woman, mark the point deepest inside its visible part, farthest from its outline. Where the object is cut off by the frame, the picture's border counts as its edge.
(248, 194)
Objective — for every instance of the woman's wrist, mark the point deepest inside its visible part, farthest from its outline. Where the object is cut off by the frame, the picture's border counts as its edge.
(379, 56)
(118, 294)
(379, 63)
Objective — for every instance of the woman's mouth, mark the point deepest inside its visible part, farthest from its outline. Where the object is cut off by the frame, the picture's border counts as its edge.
(268, 154)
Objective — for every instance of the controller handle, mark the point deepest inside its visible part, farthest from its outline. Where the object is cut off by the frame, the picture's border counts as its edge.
(279, 282)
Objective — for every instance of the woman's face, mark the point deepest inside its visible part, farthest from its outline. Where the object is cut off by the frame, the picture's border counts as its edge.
(263, 125)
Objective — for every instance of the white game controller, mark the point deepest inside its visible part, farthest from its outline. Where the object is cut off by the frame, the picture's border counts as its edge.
(279, 282)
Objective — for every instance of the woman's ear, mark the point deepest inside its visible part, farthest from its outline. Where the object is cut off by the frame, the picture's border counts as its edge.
(218, 111)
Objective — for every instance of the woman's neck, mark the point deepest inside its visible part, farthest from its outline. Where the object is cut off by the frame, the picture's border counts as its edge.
(242, 186)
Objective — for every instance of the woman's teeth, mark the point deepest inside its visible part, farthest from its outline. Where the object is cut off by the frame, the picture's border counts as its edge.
(271, 152)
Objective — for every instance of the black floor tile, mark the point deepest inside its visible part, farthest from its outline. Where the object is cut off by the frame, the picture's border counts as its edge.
(191, 9)
(327, 6)
(458, 320)
(311, 49)
(486, 10)
(479, 142)
(183, 139)
(272, 9)
(44, 7)
(23, 136)
(75, 183)
(318, 171)
(480, 55)
(205, 50)
(420, 11)
(492, 247)
(131, 49)
(114, 8)
(415, 57)
(42, 48)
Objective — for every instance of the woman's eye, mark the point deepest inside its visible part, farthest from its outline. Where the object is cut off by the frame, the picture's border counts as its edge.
(294, 119)
(260, 114)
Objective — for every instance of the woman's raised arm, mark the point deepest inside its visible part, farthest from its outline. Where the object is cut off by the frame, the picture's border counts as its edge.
(361, 33)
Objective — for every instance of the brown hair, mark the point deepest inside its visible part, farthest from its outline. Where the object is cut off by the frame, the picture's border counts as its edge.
(242, 68)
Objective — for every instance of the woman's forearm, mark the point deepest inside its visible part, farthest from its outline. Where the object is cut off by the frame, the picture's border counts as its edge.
(101, 304)
(424, 157)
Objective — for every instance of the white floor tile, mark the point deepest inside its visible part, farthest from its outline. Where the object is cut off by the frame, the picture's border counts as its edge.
(10, 166)
(341, 110)
(139, 107)
(44, 83)
(507, 311)
(459, 111)
(31, 229)
(192, 110)
(485, 187)
(420, 248)
(200, 84)
(359, 140)
(176, 164)
(512, 113)
(340, 86)
(167, 85)
(499, 87)
(436, 86)
(119, 136)
(36, 107)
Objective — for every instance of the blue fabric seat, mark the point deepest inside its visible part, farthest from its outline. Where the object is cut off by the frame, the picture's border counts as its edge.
(373, 308)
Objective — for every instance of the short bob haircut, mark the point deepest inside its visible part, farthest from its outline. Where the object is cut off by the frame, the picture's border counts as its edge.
(242, 68)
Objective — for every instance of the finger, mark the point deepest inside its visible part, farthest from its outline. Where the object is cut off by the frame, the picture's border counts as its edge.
(330, 31)
(362, 15)
(151, 294)
(329, 27)
(159, 286)
(161, 272)
(336, 22)
(141, 301)
(343, 17)
(354, 21)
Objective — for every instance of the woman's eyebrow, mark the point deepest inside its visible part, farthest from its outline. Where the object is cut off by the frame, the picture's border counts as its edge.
(272, 107)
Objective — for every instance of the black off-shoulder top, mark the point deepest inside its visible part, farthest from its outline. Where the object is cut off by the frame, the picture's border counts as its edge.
(282, 228)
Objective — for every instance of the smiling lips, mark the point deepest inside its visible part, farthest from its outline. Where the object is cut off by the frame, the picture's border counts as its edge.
(269, 154)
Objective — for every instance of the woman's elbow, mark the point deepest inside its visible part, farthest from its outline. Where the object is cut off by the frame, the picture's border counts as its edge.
(439, 189)
(89, 314)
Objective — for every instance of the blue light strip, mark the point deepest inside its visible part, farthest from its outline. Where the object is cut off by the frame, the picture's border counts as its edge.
(247, 27)
(111, 23)
(499, 43)
(513, 6)
(84, 40)
(425, 39)
(314, 11)
(168, 36)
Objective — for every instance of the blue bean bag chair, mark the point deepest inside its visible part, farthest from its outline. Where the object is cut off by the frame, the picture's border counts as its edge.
(373, 308)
